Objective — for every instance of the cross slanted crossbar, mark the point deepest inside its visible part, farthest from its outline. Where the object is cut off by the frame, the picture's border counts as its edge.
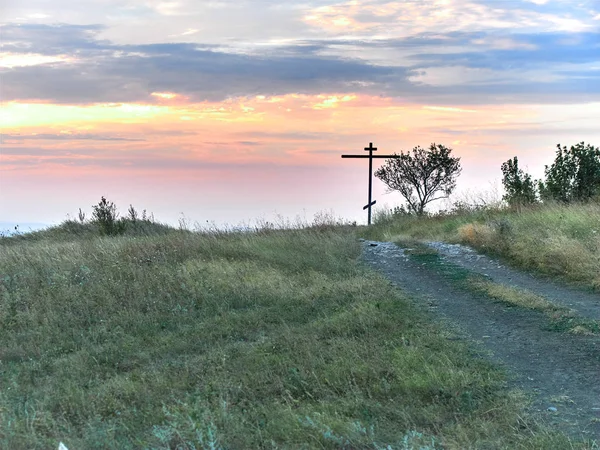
(370, 149)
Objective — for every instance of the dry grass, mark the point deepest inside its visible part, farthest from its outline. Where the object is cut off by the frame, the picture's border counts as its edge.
(556, 240)
(513, 296)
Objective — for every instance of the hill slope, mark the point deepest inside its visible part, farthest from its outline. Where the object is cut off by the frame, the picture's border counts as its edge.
(273, 339)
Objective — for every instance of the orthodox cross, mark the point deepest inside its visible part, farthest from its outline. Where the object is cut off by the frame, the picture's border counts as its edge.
(370, 149)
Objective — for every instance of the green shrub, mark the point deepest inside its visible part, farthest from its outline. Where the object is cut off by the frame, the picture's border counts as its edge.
(105, 215)
(574, 175)
(520, 188)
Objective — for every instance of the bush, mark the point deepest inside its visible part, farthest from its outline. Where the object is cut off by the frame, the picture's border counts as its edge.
(106, 217)
(574, 175)
(520, 188)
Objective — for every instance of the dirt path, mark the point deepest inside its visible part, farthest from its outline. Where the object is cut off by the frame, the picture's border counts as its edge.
(560, 370)
(587, 304)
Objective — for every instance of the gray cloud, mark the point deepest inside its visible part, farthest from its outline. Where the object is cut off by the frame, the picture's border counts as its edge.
(550, 49)
(106, 72)
(52, 39)
(110, 73)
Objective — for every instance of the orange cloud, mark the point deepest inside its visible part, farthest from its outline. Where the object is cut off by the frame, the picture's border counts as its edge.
(164, 95)
(288, 129)
(310, 130)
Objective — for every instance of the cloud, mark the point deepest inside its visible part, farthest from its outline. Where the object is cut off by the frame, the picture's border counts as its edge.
(402, 18)
(528, 50)
(65, 137)
(230, 143)
(292, 135)
(545, 67)
(162, 158)
(105, 72)
(52, 39)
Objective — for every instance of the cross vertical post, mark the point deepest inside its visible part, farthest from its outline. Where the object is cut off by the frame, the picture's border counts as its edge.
(370, 149)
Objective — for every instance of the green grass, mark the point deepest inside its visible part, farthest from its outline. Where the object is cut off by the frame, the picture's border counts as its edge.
(71, 229)
(557, 240)
(273, 339)
(560, 318)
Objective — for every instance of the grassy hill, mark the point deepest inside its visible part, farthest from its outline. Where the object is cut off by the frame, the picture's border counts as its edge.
(169, 339)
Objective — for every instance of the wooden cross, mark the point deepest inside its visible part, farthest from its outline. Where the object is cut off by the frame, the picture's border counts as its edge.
(370, 149)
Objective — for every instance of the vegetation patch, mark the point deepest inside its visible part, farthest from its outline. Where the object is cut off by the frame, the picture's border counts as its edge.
(561, 319)
(514, 296)
(270, 339)
(548, 226)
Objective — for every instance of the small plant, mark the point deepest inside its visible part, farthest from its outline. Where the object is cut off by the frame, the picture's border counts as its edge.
(178, 430)
(133, 214)
(358, 435)
(464, 207)
(183, 222)
(399, 211)
(106, 217)
(81, 216)
(147, 217)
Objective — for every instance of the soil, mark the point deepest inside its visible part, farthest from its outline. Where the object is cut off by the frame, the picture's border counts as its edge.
(559, 370)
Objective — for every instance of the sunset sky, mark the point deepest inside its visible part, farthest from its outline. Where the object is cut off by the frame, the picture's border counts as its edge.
(231, 111)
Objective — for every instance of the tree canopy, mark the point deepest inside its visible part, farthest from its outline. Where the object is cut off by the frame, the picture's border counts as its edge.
(574, 175)
(421, 176)
(519, 186)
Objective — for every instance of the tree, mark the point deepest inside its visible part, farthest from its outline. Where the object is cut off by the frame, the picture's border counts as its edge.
(422, 175)
(574, 175)
(520, 188)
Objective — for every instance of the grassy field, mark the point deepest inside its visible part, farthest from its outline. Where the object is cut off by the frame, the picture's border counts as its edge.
(271, 339)
(556, 240)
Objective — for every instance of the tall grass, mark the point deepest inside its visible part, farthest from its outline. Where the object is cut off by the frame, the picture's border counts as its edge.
(558, 240)
(272, 339)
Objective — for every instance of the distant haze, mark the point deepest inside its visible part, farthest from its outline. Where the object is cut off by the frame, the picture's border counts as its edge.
(8, 228)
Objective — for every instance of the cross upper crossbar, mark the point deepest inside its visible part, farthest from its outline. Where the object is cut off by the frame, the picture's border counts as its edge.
(367, 156)
(370, 149)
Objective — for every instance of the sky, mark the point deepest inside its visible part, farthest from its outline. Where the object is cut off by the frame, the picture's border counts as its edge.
(237, 111)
